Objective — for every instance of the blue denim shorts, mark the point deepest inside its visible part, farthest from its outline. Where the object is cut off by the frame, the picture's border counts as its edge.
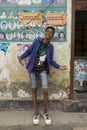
(43, 79)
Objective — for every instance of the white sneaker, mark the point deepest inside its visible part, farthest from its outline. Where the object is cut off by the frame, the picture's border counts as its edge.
(47, 119)
(36, 119)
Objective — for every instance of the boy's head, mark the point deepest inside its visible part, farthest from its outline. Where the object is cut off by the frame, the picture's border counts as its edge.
(49, 33)
(50, 27)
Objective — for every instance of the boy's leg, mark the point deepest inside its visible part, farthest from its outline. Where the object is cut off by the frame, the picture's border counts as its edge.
(45, 114)
(36, 114)
(44, 81)
(34, 90)
(34, 99)
(45, 98)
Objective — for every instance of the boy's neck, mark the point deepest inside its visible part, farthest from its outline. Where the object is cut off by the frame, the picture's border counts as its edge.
(45, 41)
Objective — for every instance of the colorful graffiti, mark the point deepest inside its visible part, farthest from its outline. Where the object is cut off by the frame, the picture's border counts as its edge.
(20, 20)
(5, 59)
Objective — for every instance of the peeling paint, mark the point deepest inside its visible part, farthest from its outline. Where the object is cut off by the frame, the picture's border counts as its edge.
(60, 95)
(22, 94)
(7, 95)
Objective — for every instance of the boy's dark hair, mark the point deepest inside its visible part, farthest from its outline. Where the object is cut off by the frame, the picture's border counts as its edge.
(51, 27)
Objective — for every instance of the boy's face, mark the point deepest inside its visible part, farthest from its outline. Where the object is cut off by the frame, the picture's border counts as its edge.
(49, 33)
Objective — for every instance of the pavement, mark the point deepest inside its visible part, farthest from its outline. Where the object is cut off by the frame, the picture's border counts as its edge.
(22, 120)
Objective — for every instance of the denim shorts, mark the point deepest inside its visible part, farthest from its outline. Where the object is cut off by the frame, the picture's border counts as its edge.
(43, 79)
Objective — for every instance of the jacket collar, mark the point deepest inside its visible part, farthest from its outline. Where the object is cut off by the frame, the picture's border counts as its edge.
(40, 39)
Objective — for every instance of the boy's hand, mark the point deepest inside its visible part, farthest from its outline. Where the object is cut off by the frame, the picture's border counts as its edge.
(62, 67)
(20, 61)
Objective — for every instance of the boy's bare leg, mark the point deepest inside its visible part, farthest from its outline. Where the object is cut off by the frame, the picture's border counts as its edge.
(34, 98)
(45, 97)
(45, 115)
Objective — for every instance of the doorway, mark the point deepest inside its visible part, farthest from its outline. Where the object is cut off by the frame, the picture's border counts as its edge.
(80, 51)
(80, 33)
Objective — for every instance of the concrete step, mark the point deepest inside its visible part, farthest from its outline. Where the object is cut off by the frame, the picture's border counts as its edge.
(78, 105)
(22, 120)
(28, 105)
(67, 105)
(65, 127)
(80, 128)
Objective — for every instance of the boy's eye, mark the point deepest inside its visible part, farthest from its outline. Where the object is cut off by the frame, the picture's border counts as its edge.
(50, 32)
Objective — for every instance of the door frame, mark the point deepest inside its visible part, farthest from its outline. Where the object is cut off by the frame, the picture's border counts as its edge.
(71, 95)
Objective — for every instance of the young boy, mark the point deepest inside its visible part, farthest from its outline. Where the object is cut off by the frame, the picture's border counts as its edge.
(41, 56)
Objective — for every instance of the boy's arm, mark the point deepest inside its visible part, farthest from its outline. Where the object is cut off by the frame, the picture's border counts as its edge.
(26, 53)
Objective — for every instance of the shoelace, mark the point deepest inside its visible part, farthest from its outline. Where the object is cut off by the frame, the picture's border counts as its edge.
(47, 117)
(36, 116)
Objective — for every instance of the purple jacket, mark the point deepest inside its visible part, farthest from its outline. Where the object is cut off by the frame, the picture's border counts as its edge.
(32, 51)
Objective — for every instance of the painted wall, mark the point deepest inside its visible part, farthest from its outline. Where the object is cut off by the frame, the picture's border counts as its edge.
(80, 74)
(14, 79)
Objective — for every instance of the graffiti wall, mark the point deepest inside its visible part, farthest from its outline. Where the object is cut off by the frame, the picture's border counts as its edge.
(21, 22)
(26, 20)
(80, 74)
(5, 58)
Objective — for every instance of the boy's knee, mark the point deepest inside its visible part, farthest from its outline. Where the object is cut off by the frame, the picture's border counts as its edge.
(34, 89)
(45, 90)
